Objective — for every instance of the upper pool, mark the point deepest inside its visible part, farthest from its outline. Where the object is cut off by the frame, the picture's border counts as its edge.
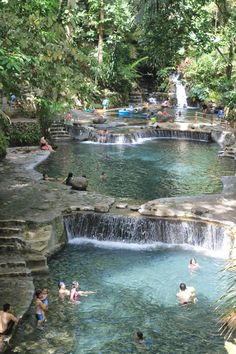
(153, 169)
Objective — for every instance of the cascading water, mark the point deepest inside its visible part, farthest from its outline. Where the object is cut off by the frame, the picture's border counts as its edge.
(181, 95)
(126, 229)
(143, 134)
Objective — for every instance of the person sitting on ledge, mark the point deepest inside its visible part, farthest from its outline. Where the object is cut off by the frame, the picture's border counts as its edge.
(7, 320)
(44, 145)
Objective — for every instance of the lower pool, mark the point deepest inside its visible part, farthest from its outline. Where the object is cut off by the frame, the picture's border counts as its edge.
(136, 288)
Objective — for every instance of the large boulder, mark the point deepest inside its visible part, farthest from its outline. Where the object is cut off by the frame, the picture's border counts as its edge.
(78, 183)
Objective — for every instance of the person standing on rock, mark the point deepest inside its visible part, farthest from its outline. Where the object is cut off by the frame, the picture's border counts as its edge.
(7, 320)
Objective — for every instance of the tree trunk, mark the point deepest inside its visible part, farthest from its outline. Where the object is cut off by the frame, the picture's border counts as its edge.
(229, 67)
(100, 37)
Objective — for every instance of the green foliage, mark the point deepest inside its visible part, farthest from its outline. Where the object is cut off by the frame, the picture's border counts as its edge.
(3, 144)
(20, 134)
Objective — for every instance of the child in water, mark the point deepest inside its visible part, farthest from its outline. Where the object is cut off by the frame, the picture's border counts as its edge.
(44, 299)
(139, 338)
(193, 265)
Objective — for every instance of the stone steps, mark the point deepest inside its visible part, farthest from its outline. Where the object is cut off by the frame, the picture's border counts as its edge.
(14, 271)
(58, 131)
(11, 261)
(12, 223)
(36, 262)
(8, 231)
(15, 240)
(20, 256)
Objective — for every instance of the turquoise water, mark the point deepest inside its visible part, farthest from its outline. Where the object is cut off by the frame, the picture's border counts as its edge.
(153, 169)
(136, 290)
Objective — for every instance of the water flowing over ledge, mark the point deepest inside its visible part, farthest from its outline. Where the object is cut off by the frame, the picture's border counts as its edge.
(208, 236)
(142, 134)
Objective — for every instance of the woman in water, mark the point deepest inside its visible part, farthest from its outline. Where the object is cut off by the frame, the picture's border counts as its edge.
(75, 292)
(193, 265)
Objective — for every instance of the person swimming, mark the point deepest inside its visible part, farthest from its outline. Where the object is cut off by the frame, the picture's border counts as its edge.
(103, 176)
(62, 290)
(75, 293)
(139, 338)
(193, 265)
(186, 294)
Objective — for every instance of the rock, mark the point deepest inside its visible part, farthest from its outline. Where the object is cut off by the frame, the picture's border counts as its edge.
(229, 184)
(99, 120)
(199, 210)
(121, 206)
(101, 208)
(87, 208)
(134, 207)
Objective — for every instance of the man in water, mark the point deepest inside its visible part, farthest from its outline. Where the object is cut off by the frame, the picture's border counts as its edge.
(7, 320)
(186, 294)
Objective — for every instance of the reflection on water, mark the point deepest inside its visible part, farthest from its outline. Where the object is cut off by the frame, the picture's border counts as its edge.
(136, 290)
(154, 169)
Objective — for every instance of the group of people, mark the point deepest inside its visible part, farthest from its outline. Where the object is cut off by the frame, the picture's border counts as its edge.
(41, 299)
(185, 296)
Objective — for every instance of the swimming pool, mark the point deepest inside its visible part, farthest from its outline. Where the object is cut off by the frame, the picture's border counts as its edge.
(136, 289)
(145, 171)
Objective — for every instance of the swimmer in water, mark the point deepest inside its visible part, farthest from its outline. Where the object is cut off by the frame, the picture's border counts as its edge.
(193, 265)
(139, 338)
(75, 293)
(62, 291)
(186, 294)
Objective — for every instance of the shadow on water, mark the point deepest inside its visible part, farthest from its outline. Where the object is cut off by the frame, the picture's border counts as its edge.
(128, 299)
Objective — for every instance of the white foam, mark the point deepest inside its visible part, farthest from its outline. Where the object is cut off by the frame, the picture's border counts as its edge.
(146, 246)
(121, 142)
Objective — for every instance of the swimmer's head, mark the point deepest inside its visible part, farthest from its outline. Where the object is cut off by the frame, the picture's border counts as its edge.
(75, 284)
(70, 174)
(6, 307)
(182, 286)
(45, 291)
(45, 175)
(140, 335)
(193, 261)
(38, 293)
(61, 285)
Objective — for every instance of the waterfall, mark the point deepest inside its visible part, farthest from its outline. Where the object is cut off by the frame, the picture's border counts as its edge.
(180, 92)
(127, 229)
(150, 133)
(120, 139)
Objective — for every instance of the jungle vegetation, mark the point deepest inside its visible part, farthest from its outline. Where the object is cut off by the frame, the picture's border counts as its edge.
(53, 50)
